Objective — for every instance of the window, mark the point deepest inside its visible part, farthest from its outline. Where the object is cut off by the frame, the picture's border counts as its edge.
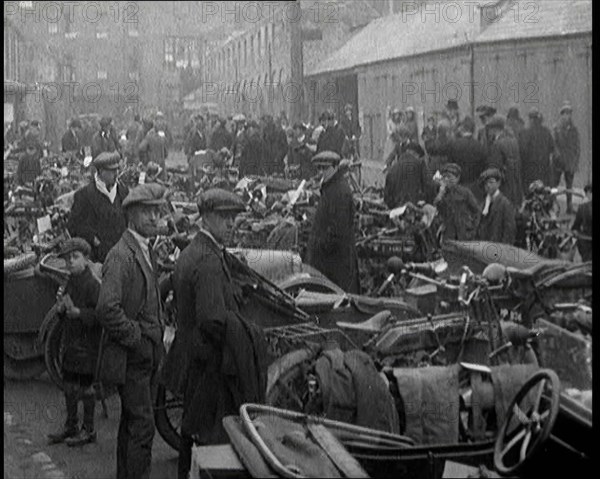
(133, 31)
(101, 35)
(134, 76)
(102, 75)
(52, 28)
(71, 35)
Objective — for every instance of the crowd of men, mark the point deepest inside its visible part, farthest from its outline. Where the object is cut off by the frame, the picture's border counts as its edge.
(484, 174)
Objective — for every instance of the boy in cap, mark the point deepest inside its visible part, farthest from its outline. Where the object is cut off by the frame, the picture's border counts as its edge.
(457, 206)
(81, 336)
(105, 139)
(97, 215)
(498, 221)
(71, 140)
(583, 226)
(29, 167)
(129, 308)
(331, 247)
(568, 150)
(217, 360)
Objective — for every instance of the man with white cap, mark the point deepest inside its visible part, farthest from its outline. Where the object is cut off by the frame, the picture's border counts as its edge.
(568, 150)
(97, 214)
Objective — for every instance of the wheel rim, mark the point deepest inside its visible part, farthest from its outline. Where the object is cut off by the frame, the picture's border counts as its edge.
(528, 423)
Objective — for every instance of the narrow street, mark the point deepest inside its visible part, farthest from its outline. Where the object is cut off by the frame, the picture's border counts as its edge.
(32, 409)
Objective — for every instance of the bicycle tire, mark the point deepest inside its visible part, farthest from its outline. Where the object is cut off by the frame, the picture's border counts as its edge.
(168, 429)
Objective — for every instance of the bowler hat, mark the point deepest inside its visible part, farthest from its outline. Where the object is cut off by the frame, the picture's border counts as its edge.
(566, 107)
(497, 121)
(217, 199)
(151, 194)
(326, 158)
(75, 244)
(491, 173)
(107, 160)
(451, 168)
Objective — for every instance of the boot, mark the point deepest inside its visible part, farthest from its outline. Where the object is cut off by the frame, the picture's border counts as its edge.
(71, 426)
(83, 437)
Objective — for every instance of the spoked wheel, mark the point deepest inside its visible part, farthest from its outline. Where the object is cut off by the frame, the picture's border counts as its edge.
(528, 423)
(168, 413)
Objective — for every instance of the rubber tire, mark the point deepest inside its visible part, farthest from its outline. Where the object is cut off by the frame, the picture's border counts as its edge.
(52, 353)
(314, 284)
(167, 430)
(24, 369)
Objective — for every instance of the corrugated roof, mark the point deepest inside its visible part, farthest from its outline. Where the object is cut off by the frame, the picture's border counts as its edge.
(403, 35)
(541, 18)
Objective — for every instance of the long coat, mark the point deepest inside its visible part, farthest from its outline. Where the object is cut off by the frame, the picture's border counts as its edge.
(300, 154)
(155, 147)
(82, 335)
(460, 213)
(195, 141)
(275, 147)
(29, 168)
(568, 148)
(94, 215)
(407, 180)
(470, 155)
(499, 225)
(504, 155)
(220, 138)
(252, 159)
(536, 146)
(103, 141)
(129, 306)
(71, 141)
(333, 139)
(218, 359)
(331, 246)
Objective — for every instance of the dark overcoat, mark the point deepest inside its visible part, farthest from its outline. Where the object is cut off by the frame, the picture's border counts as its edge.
(82, 335)
(536, 146)
(129, 306)
(275, 144)
(155, 148)
(568, 147)
(504, 155)
(331, 246)
(460, 213)
(94, 215)
(252, 159)
(499, 225)
(407, 180)
(101, 142)
(218, 359)
(300, 154)
(333, 139)
(71, 141)
(220, 138)
(195, 141)
(471, 156)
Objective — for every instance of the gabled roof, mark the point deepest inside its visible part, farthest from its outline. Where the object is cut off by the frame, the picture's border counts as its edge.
(402, 35)
(542, 18)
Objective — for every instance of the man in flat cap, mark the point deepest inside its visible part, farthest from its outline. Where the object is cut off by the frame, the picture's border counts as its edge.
(300, 153)
(105, 139)
(485, 113)
(196, 139)
(218, 358)
(97, 215)
(568, 150)
(275, 145)
(155, 147)
(29, 167)
(333, 138)
(252, 160)
(220, 137)
(71, 140)
(498, 221)
(504, 155)
(457, 206)
(129, 308)
(536, 147)
(331, 247)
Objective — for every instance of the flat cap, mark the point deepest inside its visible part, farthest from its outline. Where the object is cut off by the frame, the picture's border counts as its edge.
(217, 199)
(150, 194)
(468, 124)
(452, 105)
(75, 244)
(75, 123)
(566, 107)
(105, 120)
(239, 117)
(326, 157)
(490, 173)
(485, 110)
(534, 112)
(451, 168)
(107, 160)
(497, 121)
(396, 111)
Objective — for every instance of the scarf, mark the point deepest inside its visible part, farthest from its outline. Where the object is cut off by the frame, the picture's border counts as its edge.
(101, 186)
(488, 202)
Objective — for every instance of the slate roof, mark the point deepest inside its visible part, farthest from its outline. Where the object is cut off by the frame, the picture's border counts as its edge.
(402, 35)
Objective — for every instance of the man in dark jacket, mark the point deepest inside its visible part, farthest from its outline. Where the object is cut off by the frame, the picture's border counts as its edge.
(196, 139)
(154, 147)
(71, 140)
(498, 222)
(129, 308)
(469, 155)
(485, 113)
(583, 226)
(275, 144)
(300, 153)
(331, 247)
(408, 179)
(218, 359)
(97, 215)
(29, 167)
(568, 150)
(104, 139)
(252, 159)
(504, 155)
(514, 121)
(457, 206)
(220, 137)
(333, 138)
(536, 147)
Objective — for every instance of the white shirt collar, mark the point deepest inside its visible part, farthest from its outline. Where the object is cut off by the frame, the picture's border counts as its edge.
(144, 242)
(101, 186)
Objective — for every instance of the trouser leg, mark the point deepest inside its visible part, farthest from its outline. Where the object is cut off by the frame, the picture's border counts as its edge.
(71, 400)
(569, 175)
(185, 457)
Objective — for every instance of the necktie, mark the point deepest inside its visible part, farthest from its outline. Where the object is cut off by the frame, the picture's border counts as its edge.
(486, 207)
